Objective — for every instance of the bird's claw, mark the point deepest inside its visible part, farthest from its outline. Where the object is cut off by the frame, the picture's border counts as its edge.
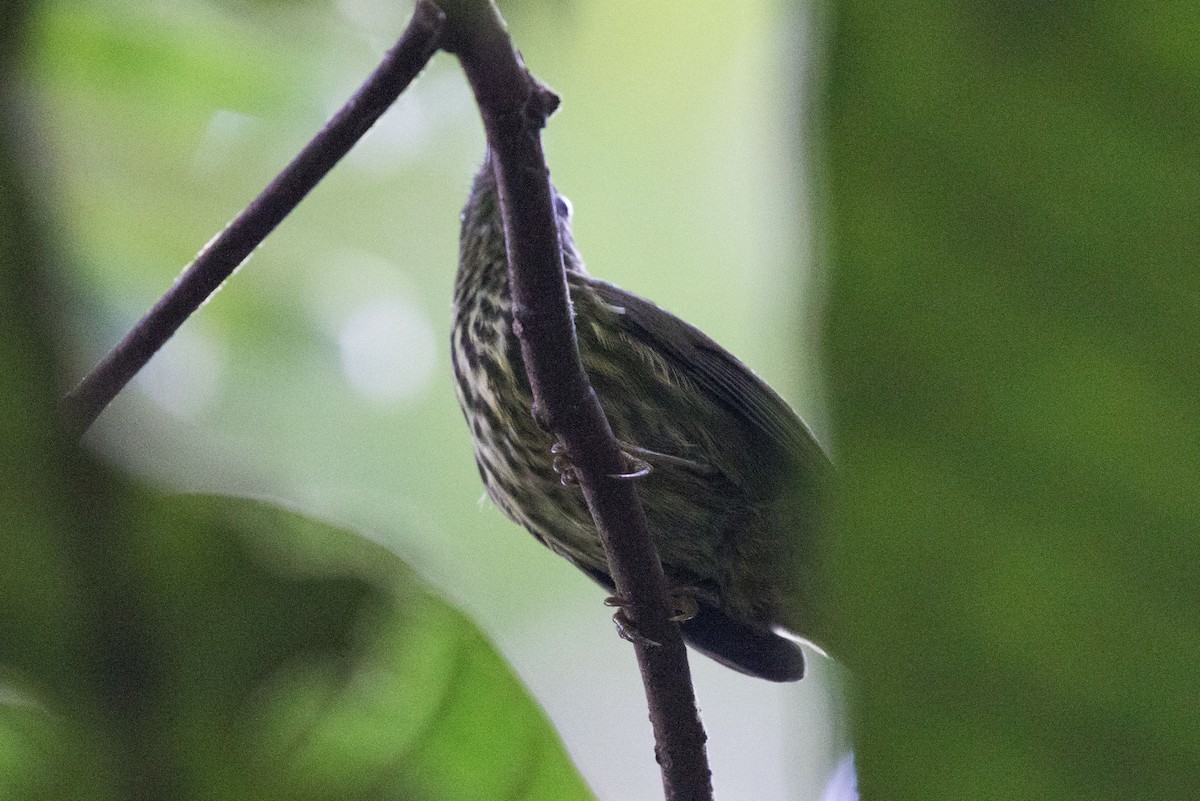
(684, 603)
(634, 468)
(562, 464)
(626, 629)
(567, 475)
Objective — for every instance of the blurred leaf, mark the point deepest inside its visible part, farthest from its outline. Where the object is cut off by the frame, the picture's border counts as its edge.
(39, 632)
(242, 651)
(1013, 342)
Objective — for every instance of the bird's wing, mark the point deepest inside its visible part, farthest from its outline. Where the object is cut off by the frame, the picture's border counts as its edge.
(717, 372)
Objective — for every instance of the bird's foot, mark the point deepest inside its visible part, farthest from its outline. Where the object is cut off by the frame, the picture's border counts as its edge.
(683, 604)
(651, 459)
(567, 474)
(683, 608)
(562, 464)
(626, 630)
(634, 467)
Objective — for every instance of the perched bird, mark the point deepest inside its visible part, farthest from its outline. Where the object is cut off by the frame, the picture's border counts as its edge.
(734, 477)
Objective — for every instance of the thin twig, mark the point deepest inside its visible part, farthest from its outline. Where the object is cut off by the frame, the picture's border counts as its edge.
(514, 107)
(220, 257)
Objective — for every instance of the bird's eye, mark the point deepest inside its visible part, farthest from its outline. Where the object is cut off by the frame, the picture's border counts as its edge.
(562, 206)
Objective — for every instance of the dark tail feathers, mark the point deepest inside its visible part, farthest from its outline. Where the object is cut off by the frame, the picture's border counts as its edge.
(743, 648)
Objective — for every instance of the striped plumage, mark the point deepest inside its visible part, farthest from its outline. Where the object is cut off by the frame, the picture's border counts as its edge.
(731, 502)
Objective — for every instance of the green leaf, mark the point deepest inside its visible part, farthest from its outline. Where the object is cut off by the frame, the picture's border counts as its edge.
(243, 651)
(1013, 347)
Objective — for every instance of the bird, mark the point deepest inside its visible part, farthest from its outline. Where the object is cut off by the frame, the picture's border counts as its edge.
(732, 481)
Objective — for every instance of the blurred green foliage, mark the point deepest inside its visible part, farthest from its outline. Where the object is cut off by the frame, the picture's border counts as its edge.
(1014, 194)
(222, 648)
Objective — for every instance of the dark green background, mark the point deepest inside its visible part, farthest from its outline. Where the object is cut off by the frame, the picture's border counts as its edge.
(1014, 190)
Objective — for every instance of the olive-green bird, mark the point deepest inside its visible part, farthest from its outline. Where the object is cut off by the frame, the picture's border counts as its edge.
(735, 478)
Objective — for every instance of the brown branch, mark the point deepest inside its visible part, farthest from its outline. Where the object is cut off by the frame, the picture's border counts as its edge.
(220, 257)
(514, 107)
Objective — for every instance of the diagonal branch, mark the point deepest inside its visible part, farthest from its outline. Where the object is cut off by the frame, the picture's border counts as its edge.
(220, 257)
(514, 107)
